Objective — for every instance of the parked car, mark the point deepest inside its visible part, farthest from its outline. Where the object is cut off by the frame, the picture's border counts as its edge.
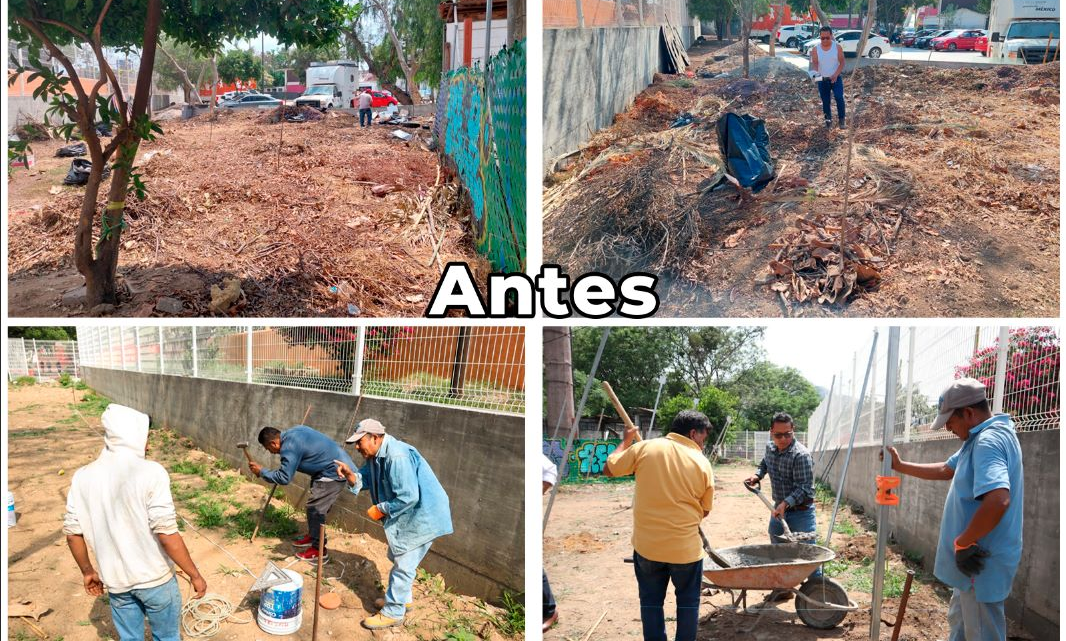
(875, 44)
(925, 42)
(909, 39)
(981, 44)
(378, 98)
(958, 40)
(252, 101)
(792, 35)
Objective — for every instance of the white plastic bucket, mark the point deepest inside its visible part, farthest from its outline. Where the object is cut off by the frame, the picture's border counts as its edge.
(281, 607)
(10, 510)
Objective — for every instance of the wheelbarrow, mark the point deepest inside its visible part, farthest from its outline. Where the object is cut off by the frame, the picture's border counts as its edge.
(820, 603)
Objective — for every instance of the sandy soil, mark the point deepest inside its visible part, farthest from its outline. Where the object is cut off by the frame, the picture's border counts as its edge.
(291, 214)
(48, 441)
(589, 535)
(954, 199)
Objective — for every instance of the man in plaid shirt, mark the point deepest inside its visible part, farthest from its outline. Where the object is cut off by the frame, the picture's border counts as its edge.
(791, 470)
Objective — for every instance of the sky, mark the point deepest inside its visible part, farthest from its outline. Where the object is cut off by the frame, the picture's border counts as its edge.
(818, 349)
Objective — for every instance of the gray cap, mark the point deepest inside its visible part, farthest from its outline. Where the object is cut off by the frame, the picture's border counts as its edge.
(962, 393)
(366, 426)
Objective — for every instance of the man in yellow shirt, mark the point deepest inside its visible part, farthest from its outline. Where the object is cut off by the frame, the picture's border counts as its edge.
(675, 489)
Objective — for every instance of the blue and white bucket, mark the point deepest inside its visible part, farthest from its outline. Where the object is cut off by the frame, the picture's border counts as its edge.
(11, 510)
(281, 607)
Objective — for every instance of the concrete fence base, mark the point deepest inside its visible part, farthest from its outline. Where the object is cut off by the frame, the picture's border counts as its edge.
(915, 523)
(476, 455)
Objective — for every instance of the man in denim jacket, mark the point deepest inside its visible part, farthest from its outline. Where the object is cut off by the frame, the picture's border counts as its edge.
(408, 501)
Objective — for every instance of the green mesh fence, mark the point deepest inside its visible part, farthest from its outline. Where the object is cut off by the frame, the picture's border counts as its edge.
(488, 149)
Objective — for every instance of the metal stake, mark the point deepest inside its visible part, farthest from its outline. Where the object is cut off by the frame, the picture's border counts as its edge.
(886, 469)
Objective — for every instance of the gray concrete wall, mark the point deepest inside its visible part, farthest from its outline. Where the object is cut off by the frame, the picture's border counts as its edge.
(23, 108)
(476, 455)
(1034, 599)
(589, 76)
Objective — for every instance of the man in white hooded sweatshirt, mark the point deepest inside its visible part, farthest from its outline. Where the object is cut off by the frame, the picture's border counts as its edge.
(120, 507)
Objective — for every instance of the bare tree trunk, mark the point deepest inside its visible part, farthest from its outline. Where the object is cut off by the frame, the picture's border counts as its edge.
(516, 21)
(409, 70)
(779, 17)
(360, 48)
(214, 84)
(186, 83)
(822, 18)
(747, 8)
(558, 376)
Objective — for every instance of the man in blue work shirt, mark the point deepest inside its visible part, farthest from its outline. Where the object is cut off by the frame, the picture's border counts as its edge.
(309, 451)
(981, 530)
(791, 469)
(409, 502)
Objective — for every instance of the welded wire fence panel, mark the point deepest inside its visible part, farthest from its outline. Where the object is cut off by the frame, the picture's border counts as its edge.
(321, 358)
(750, 446)
(930, 359)
(470, 366)
(43, 360)
(475, 367)
(481, 129)
(222, 353)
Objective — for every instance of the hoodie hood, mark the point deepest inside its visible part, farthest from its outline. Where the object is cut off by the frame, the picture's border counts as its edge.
(125, 430)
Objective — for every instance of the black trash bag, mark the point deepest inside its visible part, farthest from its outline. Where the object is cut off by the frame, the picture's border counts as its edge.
(72, 151)
(745, 145)
(79, 172)
(103, 129)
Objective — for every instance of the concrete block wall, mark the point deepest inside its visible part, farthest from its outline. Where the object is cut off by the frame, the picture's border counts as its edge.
(915, 523)
(592, 74)
(478, 457)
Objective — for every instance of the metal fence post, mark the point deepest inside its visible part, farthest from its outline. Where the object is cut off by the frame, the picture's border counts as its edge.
(195, 354)
(886, 469)
(122, 347)
(249, 362)
(74, 350)
(873, 399)
(1001, 370)
(909, 414)
(37, 358)
(162, 370)
(357, 369)
(137, 346)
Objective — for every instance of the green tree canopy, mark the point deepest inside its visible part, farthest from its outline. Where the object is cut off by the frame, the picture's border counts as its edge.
(632, 361)
(766, 389)
(43, 333)
(237, 65)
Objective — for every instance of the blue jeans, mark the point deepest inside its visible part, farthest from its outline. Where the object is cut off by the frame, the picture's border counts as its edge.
(161, 605)
(971, 620)
(549, 599)
(798, 521)
(401, 578)
(837, 89)
(652, 580)
(365, 113)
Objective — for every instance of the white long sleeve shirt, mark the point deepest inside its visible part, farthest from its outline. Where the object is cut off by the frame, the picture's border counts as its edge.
(120, 502)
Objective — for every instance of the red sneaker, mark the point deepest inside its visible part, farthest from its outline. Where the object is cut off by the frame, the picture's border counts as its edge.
(311, 554)
(305, 542)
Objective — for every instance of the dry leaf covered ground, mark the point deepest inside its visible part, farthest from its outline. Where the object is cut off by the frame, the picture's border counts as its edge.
(952, 194)
(303, 230)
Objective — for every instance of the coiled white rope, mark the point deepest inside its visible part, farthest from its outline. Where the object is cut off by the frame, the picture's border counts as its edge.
(203, 617)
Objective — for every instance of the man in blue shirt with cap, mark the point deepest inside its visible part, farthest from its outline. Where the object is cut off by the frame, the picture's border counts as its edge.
(408, 501)
(981, 530)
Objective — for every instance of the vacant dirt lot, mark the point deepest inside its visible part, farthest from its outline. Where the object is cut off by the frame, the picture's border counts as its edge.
(52, 431)
(589, 534)
(953, 194)
(290, 213)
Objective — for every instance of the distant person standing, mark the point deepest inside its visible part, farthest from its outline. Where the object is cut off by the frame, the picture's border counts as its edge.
(827, 62)
(365, 102)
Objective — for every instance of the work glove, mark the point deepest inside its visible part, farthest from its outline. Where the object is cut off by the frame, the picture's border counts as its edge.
(375, 513)
(970, 559)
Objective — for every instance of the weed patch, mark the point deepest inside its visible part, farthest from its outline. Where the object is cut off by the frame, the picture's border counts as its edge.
(30, 433)
(93, 404)
(277, 522)
(23, 381)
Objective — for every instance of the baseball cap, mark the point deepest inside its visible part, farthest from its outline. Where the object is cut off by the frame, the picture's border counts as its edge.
(962, 393)
(366, 426)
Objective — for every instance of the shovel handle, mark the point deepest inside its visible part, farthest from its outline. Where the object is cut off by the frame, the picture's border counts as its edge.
(621, 410)
(754, 489)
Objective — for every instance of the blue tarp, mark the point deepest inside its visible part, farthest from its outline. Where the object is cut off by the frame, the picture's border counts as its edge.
(745, 146)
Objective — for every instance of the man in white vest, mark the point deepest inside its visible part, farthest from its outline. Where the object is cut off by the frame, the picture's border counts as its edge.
(827, 63)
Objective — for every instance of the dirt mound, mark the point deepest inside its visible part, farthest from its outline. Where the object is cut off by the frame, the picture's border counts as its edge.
(769, 68)
(290, 113)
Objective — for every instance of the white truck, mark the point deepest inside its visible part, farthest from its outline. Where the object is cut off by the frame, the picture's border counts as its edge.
(331, 85)
(1019, 31)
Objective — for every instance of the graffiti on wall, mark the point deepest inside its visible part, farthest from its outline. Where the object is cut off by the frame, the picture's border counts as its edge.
(587, 460)
(487, 147)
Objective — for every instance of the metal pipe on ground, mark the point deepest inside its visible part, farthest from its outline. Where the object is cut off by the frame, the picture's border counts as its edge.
(886, 470)
(577, 421)
(851, 443)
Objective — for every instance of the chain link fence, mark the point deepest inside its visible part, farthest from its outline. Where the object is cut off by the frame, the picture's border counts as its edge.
(43, 360)
(475, 367)
(1019, 365)
(480, 125)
